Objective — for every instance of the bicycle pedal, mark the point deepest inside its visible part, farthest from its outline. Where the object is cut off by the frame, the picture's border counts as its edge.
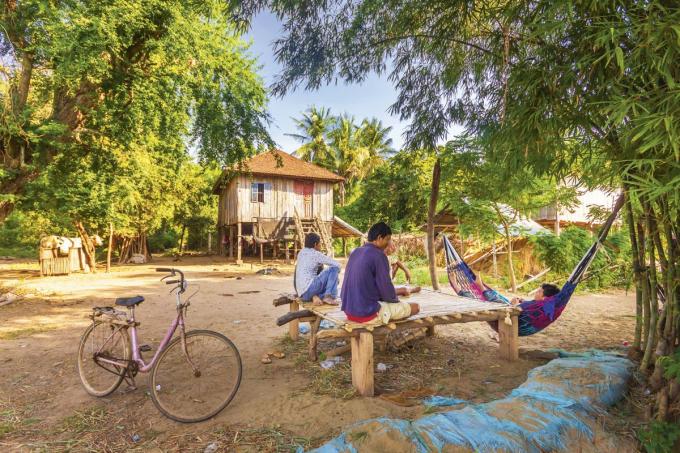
(144, 348)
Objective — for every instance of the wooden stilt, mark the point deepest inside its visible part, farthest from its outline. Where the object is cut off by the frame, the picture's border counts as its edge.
(231, 241)
(508, 336)
(313, 340)
(294, 325)
(261, 253)
(239, 259)
(362, 363)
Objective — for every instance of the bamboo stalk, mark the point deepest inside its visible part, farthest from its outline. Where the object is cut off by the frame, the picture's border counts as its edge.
(653, 304)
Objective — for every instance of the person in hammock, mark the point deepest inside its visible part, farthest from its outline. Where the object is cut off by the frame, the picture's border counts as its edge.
(395, 265)
(489, 294)
(368, 294)
(545, 290)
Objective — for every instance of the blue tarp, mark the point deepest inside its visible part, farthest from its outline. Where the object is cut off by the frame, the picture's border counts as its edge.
(557, 402)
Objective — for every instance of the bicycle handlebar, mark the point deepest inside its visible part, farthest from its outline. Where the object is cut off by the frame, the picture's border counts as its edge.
(173, 271)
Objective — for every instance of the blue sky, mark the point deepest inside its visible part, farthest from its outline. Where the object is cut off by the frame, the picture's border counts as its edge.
(370, 99)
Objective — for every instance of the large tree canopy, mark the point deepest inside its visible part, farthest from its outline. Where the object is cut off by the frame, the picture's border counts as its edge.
(100, 81)
(558, 88)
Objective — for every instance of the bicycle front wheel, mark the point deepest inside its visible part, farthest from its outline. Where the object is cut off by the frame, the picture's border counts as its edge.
(196, 385)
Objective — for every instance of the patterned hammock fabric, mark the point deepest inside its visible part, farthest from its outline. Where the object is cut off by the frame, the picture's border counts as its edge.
(536, 315)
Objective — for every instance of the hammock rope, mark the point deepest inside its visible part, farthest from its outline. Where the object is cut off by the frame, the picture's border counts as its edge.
(536, 315)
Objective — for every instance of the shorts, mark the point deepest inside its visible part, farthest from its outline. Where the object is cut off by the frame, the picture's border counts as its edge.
(393, 311)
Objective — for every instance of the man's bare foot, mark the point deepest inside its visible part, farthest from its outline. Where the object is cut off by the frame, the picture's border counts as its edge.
(316, 301)
(330, 300)
(415, 289)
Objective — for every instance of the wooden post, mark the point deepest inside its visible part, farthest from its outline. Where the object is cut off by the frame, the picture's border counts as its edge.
(209, 242)
(344, 247)
(362, 363)
(430, 331)
(508, 338)
(231, 241)
(285, 245)
(238, 244)
(431, 212)
(294, 325)
(261, 253)
(313, 340)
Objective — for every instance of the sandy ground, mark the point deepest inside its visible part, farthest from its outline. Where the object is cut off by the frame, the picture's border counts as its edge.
(43, 405)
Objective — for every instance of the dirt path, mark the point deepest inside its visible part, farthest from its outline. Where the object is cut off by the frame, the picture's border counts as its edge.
(43, 405)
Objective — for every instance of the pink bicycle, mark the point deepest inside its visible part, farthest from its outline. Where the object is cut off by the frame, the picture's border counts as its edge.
(193, 376)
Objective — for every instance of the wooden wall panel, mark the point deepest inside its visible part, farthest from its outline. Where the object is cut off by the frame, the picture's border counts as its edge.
(280, 201)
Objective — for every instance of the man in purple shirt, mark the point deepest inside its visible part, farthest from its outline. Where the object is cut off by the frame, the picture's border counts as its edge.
(368, 294)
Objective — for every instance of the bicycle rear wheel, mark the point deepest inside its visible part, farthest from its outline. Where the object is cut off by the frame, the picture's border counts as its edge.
(187, 393)
(102, 340)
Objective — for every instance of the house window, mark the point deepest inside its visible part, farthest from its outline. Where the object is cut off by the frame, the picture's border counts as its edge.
(257, 192)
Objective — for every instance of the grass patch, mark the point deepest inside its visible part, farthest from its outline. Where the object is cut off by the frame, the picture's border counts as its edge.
(335, 382)
(271, 439)
(87, 421)
(24, 332)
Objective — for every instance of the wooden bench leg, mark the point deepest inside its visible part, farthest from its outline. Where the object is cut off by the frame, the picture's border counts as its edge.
(313, 340)
(508, 338)
(430, 331)
(362, 363)
(293, 326)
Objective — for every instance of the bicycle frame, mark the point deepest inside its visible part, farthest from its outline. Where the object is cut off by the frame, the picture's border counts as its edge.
(136, 356)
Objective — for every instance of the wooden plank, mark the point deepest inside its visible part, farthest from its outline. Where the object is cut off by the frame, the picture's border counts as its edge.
(334, 333)
(362, 363)
(293, 326)
(508, 336)
(338, 351)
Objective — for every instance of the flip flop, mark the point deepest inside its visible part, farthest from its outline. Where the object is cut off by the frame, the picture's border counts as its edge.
(279, 354)
(265, 359)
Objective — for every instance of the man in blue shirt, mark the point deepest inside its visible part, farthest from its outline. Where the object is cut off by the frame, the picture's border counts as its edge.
(368, 294)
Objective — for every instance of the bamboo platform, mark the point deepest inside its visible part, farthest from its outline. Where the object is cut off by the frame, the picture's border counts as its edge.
(436, 308)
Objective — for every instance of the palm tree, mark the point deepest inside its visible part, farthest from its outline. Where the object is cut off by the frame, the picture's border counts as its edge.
(374, 137)
(313, 129)
(348, 156)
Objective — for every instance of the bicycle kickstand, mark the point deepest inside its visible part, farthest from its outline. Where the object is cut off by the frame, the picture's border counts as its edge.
(130, 381)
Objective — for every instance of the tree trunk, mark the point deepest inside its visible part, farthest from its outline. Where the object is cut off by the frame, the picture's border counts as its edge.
(181, 240)
(511, 267)
(434, 195)
(88, 246)
(108, 252)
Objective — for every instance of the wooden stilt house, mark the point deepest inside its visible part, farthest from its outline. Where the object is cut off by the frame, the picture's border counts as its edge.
(271, 201)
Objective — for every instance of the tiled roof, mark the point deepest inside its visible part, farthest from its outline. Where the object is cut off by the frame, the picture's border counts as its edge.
(280, 163)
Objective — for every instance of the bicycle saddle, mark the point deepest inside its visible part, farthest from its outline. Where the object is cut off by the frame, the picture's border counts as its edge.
(129, 301)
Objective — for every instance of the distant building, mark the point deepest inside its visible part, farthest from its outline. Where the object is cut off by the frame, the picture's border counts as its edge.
(550, 218)
(274, 199)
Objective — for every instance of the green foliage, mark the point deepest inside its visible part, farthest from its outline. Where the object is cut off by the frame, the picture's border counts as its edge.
(563, 253)
(397, 192)
(671, 365)
(659, 437)
(20, 234)
(116, 91)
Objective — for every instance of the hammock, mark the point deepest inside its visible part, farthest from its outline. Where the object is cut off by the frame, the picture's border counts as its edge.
(536, 315)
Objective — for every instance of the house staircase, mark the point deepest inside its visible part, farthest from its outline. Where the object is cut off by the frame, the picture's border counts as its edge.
(313, 225)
